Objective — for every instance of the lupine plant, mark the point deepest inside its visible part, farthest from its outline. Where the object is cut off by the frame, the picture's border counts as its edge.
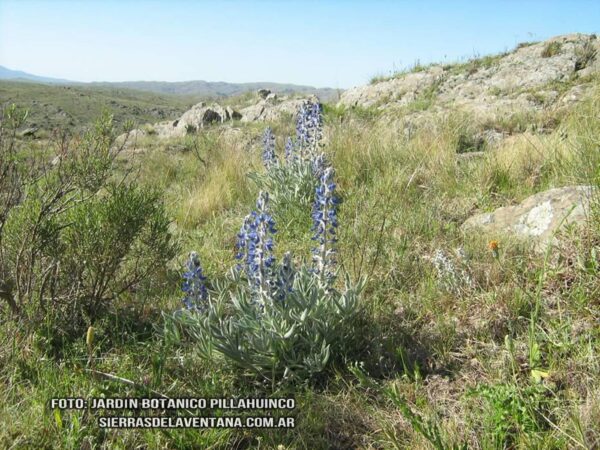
(309, 129)
(279, 321)
(290, 152)
(294, 182)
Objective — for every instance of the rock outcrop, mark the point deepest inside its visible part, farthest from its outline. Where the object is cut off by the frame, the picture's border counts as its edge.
(522, 80)
(538, 217)
(201, 115)
(270, 107)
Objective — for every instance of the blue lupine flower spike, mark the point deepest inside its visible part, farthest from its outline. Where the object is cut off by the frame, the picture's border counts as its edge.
(193, 287)
(269, 156)
(324, 226)
(309, 128)
(258, 234)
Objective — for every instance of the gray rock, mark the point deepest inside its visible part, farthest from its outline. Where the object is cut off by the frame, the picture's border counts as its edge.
(269, 111)
(201, 115)
(271, 98)
(263, 93)
(29, 132)
(538, 217)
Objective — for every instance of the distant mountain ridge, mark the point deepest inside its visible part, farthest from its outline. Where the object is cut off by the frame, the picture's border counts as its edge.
(187, 88)
(18, 75)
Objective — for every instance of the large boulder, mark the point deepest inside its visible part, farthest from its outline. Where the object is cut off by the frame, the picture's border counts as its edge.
(272, 109)
(538, 217)
(201, 115)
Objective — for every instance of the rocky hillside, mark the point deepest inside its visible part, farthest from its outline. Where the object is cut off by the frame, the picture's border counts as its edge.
(495, 96)
(548, 74)
(544, 76)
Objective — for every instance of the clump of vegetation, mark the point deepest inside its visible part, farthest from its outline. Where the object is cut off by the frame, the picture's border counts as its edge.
(474, 64)
(551, 49)
(190, 129)
(281, 323)
(525, 44)
(74, 239)
(469, 142)
(585, 55)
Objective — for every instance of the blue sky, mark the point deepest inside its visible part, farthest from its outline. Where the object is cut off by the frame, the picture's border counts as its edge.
(321, 43)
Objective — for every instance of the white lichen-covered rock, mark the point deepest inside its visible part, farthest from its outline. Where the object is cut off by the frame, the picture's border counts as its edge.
(538, 217)
(271, 109)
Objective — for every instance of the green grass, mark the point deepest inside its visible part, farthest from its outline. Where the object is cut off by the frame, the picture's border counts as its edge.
(509, 362)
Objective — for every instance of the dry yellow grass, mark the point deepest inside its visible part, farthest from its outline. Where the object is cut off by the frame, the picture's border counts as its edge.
(223, 182)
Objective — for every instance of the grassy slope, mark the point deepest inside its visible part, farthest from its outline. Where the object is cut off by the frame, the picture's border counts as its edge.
(460, 358)
(75, 107)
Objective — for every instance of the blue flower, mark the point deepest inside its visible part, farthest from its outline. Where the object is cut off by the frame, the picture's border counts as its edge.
(243, 240)
(319, 164)
(309, 128)
(269, 156)
(193, 287)
(255, 245)
(290, 150)
(325, 222)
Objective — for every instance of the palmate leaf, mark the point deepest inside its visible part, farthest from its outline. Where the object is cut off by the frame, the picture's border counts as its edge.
(290, 340)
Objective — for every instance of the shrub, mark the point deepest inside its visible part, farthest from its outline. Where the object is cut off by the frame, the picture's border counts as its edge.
(12, 178)
(469, 142)
(452, 273)
(190, 129)
(77, 240)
